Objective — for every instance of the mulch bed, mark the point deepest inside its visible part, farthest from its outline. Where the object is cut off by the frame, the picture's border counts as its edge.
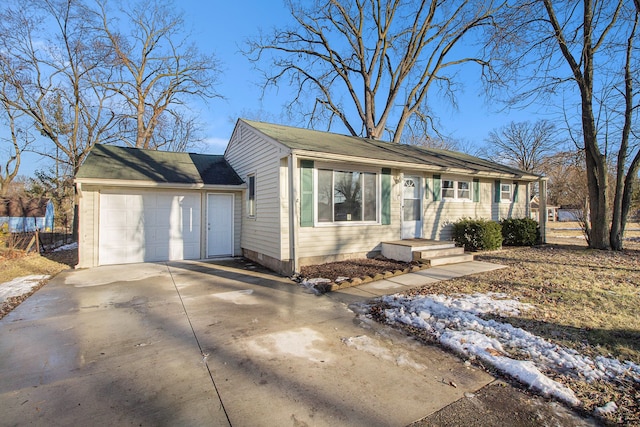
(353, 268)
(353, 272)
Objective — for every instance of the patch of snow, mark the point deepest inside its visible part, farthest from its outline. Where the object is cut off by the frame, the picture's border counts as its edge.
(455, 322)
(490, 350)
(317, 281)
(609, 408)
(20, 286)
(312, 284)
(68, 247)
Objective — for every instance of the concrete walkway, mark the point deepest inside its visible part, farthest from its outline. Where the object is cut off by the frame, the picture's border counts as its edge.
(411, 280)
(226, 343)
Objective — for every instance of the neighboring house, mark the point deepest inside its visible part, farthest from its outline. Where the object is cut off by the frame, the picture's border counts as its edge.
(552, 211)
(299, 197)
(26, 215)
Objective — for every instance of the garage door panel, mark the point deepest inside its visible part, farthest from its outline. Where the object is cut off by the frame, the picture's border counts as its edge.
(148, 226)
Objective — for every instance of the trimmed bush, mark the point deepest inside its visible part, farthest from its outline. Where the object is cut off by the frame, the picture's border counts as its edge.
(520, 232)
(477, 234)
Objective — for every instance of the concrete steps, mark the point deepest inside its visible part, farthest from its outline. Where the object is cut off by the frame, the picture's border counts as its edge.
(436, 257)
(438, 252)
(435, 253)
(451, 259)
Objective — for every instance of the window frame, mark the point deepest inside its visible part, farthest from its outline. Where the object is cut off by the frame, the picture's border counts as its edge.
(456, 189)
(362, 171)
(510, 198)
(443, 187)
(469, 190)
(251, 201)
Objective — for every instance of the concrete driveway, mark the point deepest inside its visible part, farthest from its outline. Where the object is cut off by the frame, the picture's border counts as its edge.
(226, 343)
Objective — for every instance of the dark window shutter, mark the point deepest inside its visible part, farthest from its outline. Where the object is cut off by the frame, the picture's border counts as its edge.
(496, 188)
(385, 211)
(437, 185)
(476, 190)
(515, 191)
(306, 193)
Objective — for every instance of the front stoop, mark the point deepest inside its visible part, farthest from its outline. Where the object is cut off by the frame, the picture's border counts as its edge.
(450, 259)
(431, 252)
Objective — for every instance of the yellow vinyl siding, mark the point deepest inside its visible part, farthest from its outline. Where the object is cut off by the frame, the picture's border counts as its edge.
(88, 228)
(237, 222)
(439, 215)
(249, 153)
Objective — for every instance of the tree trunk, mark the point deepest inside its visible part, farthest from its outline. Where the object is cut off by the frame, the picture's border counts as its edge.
(598, 201)
(597, 183)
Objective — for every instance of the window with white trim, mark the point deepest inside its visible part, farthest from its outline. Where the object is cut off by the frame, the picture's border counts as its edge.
(251, 195)
(347, 196)
(448, 189)
(458, 190)
(506, 193)
(464, 190)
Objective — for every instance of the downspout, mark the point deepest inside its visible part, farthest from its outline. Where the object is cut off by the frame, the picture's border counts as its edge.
(293, 212)
(542, 210)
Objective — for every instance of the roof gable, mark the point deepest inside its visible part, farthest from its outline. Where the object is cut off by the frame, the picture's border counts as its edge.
(344, 145)
(109, 162)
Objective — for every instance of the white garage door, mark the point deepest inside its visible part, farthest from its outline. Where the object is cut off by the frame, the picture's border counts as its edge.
(148, 226)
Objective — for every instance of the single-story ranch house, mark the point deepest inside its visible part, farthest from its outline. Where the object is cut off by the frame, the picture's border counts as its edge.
(283, 197)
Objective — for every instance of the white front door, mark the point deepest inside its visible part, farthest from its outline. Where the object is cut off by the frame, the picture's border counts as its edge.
(219, 225)
(412, 207)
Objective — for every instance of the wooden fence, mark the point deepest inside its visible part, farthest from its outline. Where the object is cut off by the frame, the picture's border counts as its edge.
(38, 241)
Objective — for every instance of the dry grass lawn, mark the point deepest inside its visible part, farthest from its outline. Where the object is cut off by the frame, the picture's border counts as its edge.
(17, 264)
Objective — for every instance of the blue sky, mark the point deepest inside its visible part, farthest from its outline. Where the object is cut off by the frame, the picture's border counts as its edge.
(470, 122)
(222, 27)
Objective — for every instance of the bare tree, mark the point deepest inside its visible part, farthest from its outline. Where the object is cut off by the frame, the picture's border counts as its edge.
(47, 68)
(79, 82)
(48, 63)
(584, 51)
(157, 70)
(567, 179)
(17, 141)
(523, 145)
(370, 64)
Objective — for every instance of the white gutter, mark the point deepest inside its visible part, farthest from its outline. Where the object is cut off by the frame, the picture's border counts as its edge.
(293, 212)
(151, 184)
(542, 209)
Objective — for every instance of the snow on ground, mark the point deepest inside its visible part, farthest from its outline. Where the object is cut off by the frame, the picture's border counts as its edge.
(311, 285)
(454, 321)
(68, 247)
(20, 286)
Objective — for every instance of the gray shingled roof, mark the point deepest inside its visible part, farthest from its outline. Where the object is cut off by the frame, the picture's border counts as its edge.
(331, 143)
(109, 162)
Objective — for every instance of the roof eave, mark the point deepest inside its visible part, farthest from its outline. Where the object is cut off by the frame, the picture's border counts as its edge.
(315, 155)
(153, 184)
